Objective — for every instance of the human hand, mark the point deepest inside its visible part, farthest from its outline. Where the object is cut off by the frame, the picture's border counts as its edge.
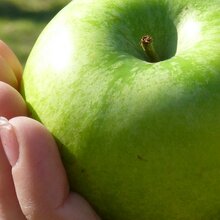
(33, 182)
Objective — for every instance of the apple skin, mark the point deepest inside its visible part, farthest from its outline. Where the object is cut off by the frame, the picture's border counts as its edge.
(139, 140)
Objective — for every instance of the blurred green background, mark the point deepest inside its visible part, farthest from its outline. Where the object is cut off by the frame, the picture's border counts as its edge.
(21, 22)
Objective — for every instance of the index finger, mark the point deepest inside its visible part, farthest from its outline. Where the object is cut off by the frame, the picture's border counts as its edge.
(11, 59)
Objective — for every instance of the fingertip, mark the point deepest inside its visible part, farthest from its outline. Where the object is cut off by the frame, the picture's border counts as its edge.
(9, 141)
(9, 206)
(11, 102)
(7, 74)
(10, 57)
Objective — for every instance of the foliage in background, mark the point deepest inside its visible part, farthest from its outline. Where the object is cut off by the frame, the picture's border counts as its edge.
(21, 22)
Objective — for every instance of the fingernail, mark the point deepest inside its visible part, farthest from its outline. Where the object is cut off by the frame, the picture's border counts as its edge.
(9, 141)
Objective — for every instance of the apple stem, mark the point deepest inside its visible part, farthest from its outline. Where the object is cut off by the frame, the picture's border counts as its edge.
(147, 45)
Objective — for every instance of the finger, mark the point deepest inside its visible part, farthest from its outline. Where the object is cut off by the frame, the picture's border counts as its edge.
(9, 206)
(6, 74)
(11, 102)
(77, 208)
(39, 176)
(11, 59)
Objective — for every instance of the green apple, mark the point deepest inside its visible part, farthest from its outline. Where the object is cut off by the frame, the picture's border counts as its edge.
(138, 130)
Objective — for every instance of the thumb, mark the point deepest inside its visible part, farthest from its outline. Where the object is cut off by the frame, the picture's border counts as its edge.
(39, 177)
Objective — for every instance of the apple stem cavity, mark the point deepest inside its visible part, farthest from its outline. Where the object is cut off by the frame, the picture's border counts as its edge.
(147, 45)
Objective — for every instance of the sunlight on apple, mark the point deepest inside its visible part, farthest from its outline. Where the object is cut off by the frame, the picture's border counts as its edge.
(189, 33)
(59, 55)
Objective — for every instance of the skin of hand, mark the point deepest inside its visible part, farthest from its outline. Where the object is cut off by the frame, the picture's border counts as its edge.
(33, 182)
